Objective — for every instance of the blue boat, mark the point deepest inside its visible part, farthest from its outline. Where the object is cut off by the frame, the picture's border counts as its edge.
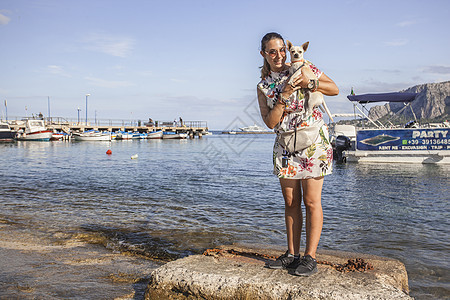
(414, 143)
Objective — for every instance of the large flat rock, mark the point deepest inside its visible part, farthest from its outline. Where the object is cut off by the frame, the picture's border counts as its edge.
(242, 275)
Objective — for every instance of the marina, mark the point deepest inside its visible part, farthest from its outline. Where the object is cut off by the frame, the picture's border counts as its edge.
(44, 129)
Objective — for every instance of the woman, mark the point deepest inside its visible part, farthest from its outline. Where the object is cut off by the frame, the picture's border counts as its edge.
(301, 173)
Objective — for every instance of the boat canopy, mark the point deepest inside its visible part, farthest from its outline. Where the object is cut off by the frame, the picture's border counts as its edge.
(383, 97)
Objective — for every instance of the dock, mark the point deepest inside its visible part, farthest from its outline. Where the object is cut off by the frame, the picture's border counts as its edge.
(192, 128)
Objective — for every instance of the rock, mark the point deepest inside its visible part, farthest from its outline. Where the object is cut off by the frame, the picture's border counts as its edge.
(431, 103)
(243, 276)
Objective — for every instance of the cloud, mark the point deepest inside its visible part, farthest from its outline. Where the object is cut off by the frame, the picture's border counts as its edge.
(108, 83)
(4, 19)
(437, 69)
(109, 44)
(406, 23)
(397, 43)
(57, 70)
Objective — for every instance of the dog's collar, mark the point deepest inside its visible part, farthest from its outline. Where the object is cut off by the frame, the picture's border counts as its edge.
(296, 61)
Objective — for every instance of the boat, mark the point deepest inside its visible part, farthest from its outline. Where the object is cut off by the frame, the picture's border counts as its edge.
(6, 134)
(412, 143)
(57, 136)
(155, 135)
(35, 130)
(174, 135)
(92, 135)
(254, 128)
(137, 135)
(124, 135)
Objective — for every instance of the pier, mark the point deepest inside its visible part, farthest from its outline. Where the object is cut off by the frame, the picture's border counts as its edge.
(192, 128)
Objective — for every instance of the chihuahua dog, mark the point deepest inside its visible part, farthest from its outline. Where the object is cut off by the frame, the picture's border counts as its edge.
(313, 99)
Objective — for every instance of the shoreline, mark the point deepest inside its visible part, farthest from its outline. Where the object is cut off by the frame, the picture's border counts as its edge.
(65, 266)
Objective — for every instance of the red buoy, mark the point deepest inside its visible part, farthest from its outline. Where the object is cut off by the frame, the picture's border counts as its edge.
(109, 152)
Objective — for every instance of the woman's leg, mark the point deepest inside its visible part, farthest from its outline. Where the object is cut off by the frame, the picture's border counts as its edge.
(292, 193)
(312, 197)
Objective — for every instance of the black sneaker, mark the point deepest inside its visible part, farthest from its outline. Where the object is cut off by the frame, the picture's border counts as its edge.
(285, 261)
(306, 267)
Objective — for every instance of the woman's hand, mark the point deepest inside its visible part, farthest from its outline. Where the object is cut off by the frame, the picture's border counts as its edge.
(298, 83)
(326, 85)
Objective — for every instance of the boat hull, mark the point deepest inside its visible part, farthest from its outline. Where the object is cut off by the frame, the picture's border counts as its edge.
(124, 136)
(419, 157)
(96, 138)
(155, 135)
(45, 135)
(7, 136)
(175, 136)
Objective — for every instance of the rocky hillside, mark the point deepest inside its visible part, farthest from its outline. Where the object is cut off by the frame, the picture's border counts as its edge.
(432, 103)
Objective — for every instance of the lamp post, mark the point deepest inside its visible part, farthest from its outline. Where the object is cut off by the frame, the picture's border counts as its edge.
(87, 95)
(78, 109)
(48, 104)
(6, 108)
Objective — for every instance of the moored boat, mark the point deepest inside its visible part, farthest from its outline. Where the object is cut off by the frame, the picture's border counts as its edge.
(155, 135)
(6, 134)
(92, 135)
(35, 130)
(253, 128)
(411, 144)
(174, 135)
(124, 135)
(57, 136)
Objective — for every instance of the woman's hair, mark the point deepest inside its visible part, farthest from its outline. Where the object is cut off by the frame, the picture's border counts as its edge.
(265, 69)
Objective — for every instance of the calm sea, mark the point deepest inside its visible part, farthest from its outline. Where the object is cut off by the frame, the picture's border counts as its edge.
(182, 196)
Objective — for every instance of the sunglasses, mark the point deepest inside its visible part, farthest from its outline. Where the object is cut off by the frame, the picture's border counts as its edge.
(273, 52)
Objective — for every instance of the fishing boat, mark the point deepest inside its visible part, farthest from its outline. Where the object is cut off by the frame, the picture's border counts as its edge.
(412, 143)
(174, 135)
(124, 135)
(35, 130)
(92, 135)
(155, 135)
(137, 135)
(6, 134)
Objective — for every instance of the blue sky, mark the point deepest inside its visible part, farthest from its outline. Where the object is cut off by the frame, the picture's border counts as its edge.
(200, 59)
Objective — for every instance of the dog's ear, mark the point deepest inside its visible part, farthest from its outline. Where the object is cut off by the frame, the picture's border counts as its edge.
(289, 44)
(305, 46)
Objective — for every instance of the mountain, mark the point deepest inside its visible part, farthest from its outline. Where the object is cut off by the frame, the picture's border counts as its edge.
(432, 104)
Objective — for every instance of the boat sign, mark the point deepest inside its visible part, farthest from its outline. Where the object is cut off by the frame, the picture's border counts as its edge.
(403, 139)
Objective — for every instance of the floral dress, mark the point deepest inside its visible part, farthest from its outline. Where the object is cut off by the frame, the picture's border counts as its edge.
(312, 162)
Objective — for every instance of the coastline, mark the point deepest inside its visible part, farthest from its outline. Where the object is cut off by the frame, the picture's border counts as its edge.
(59, 265)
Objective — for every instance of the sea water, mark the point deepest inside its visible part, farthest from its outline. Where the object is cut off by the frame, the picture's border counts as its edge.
(180, 197)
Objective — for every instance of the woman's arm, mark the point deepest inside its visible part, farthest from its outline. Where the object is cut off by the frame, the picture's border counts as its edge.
(326, 85)
(271, 117)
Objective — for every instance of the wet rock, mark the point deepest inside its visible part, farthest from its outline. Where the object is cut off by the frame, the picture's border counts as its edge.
(240, 274)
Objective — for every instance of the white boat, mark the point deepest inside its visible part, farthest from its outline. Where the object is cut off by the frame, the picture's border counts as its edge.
(6, 134)
(381, 144)
(124, 135)
(35, 130)
(155, 135)
(137, 135)
(253, 128)
(174, 135)
(92, 135)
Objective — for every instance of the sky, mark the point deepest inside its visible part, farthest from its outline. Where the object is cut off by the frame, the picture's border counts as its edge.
(199, 60)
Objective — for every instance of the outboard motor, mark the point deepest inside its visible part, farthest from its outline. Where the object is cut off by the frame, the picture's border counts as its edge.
(342, 143)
